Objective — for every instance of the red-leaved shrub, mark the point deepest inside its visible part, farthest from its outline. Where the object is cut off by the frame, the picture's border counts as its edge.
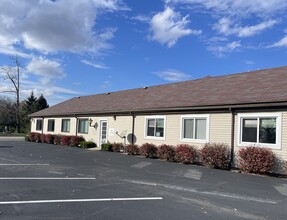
(49, 138)
(256, 159)
(37, 137)
(42, 138)
(75, 140)
(185, 154)
(31, 136)
(132, 149)
(215, 155)
(117, 147)
(148, 150)
(57, 139)
(166, 152)
(65, 140)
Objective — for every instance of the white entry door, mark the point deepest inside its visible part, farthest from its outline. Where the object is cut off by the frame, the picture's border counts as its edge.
(103, 132)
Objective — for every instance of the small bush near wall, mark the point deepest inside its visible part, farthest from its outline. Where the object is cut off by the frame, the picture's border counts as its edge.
(215, 155)
(132, 149)
(42, 138)
(37, 137)
(57, 139)
(65, 140)
(75, 140)
(256, 159)
(166, 152)
(87, 144)
(49, 138)
(185, 154)
(31, 136)
(117, 147)
(107, 147)
(148, 150)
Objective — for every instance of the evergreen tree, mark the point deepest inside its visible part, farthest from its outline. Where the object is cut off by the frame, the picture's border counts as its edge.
(30, 104)
(41, 103)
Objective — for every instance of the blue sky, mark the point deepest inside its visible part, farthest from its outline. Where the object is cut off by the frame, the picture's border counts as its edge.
(73, 48)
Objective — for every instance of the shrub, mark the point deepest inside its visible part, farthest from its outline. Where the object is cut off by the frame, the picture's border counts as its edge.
(65, 140)
(27, 138)
(107, 147)
(57, 139)
(185, 154)
(37, 137)
(215, 155)
(87, 144)
(256, 160)
(49, 138)
(42, 138)
(132, 149)
(117, 147)
(75, 140)
(148, 150)
(166, 152)
(31, 136)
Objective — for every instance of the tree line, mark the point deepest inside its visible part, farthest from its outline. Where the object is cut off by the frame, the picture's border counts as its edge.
(8, 113)
(14, 114)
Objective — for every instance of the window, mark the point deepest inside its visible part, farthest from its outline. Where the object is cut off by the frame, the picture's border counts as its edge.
(83, 126)
(194, 128)
(51, 125)
(65, 125)
(260, 129)
(39, 124)
(155, 127)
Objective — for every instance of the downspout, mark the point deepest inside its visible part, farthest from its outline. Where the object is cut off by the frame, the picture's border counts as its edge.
(42, 125)
(76, 125)
(231, 163)
(133, 127)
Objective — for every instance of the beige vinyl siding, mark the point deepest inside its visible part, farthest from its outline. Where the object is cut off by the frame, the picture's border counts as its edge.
(220, 128)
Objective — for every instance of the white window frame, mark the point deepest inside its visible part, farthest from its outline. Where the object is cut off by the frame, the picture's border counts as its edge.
(49, 120)
(276, 115)
(78, 128)
(164, 127)
(195, 116)
(69, 130)
(41, 126)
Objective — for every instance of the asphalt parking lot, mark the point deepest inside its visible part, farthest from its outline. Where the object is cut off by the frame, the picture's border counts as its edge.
(41, 181)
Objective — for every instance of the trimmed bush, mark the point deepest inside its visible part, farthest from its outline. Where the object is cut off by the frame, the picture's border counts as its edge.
(185, 154)
(57, 139)
(65, 140)
(107, 147)
(117, 147)
(166, 152)
(87, 144)
(49, 139)
(132, 149)
(215, 155)
(37, 137)
(31, 136)
(42, 138)
(148, 150)
(75, 140)
(256, 160)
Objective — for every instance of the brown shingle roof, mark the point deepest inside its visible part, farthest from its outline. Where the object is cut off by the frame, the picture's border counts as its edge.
(261, 86)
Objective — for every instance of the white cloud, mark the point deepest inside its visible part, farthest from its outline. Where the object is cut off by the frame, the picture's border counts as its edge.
(46, 70)
(172, 75)
(95, 65)
(168, 27)
(51, 26)
(280, 43)
(225, 26)
(141, 18)
(222, 50)
(237, 8)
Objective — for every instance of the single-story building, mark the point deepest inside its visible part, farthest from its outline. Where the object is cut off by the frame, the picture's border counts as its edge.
(239, 109)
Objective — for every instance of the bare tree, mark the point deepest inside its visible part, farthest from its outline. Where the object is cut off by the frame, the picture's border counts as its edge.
(13, 75)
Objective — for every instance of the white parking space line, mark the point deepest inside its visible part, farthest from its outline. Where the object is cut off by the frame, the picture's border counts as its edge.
(47, 178)
(79, 200)
(24, 164)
